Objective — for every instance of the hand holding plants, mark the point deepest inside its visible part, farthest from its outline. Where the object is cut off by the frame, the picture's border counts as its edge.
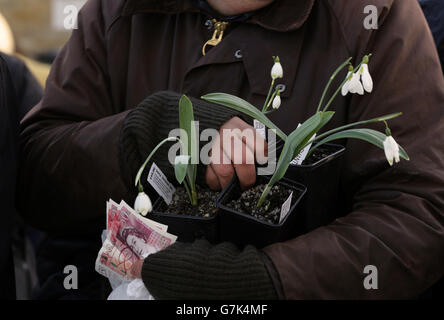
(303, 135)
(229, 157)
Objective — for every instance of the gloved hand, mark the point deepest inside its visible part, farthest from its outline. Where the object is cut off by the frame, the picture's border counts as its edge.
(202, 271)
(151, 122)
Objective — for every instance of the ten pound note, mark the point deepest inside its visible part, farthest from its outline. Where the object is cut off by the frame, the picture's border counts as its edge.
(130, 237)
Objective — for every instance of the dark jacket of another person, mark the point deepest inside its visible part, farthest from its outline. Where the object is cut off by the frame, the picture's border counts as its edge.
(19, 91)
(124, 51)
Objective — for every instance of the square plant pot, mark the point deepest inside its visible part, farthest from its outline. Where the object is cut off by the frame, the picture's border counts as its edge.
(186, 227)
(321, 177)
(243, 229)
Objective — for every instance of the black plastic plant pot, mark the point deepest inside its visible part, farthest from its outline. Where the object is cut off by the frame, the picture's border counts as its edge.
(320, 204)
(187, 228)
(243, 229)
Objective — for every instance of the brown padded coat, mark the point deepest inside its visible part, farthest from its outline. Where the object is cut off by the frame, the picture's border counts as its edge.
(123, 51)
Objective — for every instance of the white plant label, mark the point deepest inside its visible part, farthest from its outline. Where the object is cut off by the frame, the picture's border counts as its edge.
(303, 154)
(260, 128)
(285, 209)
(160, 183)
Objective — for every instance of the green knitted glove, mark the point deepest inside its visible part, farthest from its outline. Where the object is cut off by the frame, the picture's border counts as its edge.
(200, 271)
(151, 122)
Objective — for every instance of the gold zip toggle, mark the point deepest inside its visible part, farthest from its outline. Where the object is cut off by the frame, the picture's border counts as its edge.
(219, 28)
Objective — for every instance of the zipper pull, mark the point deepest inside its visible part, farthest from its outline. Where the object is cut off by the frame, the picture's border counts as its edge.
(219, 28)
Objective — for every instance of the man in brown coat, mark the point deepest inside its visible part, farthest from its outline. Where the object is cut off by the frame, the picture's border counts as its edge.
(124, 51)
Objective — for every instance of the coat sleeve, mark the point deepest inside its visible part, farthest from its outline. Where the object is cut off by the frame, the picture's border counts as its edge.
(70, 139)
(396, 221)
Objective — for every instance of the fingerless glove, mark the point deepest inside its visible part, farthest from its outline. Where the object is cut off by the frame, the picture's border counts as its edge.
(202, 271)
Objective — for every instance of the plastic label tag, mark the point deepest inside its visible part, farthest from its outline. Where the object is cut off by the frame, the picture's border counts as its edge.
(285, 209)
(260, 128)
(303, 154)
(160, 183)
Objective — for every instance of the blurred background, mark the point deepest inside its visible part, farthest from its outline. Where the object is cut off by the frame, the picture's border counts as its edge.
(34, 30)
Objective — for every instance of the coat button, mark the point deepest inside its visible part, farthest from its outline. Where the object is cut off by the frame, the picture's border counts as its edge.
(238, 54)
(209, 24)
(281, 87)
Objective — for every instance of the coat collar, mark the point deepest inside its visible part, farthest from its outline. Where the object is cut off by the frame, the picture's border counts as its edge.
(281, 15)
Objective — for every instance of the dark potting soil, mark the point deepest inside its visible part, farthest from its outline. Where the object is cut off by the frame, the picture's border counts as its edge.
(320, 153)
(180, 204)
(270, 210)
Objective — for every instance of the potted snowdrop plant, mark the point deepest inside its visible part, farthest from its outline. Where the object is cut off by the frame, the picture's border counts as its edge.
(239, 207)
(191, 210)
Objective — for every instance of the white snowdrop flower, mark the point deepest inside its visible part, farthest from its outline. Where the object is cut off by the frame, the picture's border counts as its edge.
(277, 71)
(367, 80)
(277, 101)
(143, 205)
(345, 87)
(391, 150)
(355, 85)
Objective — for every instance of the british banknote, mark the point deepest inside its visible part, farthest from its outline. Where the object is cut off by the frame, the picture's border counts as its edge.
(130, 237)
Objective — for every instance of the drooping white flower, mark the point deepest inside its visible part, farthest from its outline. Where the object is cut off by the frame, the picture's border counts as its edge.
(143, 205)
(391, 150)
(277, 101)
(355, 85)
(277, 71)
(345, 87)
(367, 80)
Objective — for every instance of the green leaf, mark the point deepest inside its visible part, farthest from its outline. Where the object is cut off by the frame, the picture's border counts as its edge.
(181, 168)
(186, 118)
(186, 122)
(245, 107)
(325, 118)
(354, 124)
(372, 136)
(296, 141)
(386, 117)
